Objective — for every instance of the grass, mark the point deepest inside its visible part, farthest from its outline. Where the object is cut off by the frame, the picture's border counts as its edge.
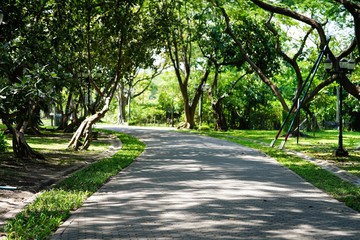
(328, 182)
(320, 145)
(52, 207)
(53, 145)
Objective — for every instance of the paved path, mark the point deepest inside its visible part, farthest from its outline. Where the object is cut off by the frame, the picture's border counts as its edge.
(192, 187)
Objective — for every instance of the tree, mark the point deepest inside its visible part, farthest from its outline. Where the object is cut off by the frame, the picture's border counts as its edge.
(219, 48)
(280, 18)
(178, 29)
(24, 72)
(346, 8)
(248, 58)
(122, 41)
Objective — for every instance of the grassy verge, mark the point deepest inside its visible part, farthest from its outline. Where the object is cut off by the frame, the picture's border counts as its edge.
(328, 182)
(52, 207)
(320, 145)
(54, 143)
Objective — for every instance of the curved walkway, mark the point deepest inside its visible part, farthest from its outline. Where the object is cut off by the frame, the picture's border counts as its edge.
(193, 187)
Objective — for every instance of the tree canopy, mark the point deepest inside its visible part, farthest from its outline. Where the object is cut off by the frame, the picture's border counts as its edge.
(243, 59)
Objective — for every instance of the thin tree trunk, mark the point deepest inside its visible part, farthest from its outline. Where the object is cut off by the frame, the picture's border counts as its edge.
(121, 105)
(312, 121)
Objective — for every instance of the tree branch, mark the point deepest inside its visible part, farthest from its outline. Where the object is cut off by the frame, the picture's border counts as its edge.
(294, 15)
(260, 73)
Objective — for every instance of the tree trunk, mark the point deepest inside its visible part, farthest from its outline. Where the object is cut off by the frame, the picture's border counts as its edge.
(75, 123)
(121, 110)
(312, 120)
(189, 117)
(21, 148)
(121, 104)
(221, 124)
(82, 137)
(189, 108)
(66, 113)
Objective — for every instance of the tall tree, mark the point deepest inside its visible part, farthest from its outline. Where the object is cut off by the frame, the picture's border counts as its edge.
(219, 48)
(118, 36)
(178, 30)
(248, 58)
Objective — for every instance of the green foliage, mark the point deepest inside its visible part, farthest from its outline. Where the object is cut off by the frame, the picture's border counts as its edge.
(204, 128)
(52, 207)
(3, 143)
(246, 108)
(144, 114)
(21, 101)
(65, 52)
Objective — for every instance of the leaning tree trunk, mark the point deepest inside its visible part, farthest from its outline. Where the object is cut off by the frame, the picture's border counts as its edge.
(82, 137)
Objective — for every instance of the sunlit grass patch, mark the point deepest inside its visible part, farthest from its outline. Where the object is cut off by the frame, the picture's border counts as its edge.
(45, 214)
(320, 146)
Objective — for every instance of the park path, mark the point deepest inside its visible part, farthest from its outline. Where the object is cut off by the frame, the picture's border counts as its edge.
(193, 187)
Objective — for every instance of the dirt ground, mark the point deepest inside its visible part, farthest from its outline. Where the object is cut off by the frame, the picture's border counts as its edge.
(30, 177)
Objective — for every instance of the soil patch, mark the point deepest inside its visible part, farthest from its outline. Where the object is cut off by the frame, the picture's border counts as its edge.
(30, 177)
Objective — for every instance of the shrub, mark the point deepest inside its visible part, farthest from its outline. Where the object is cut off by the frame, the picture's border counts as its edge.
(204, 128)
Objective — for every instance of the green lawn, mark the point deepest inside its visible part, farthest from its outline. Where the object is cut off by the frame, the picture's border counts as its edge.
(53, 206)
(320, 145)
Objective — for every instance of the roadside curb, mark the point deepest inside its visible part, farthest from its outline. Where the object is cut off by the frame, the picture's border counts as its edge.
(344, 175)
(329, 167)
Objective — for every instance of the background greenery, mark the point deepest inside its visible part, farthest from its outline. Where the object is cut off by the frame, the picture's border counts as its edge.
(161, 62)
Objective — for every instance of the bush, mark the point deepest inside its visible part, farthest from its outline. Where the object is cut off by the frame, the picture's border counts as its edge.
(204, 128)
(3, 143)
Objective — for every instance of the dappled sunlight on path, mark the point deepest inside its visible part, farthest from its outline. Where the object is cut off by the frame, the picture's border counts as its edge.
(192, 187)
